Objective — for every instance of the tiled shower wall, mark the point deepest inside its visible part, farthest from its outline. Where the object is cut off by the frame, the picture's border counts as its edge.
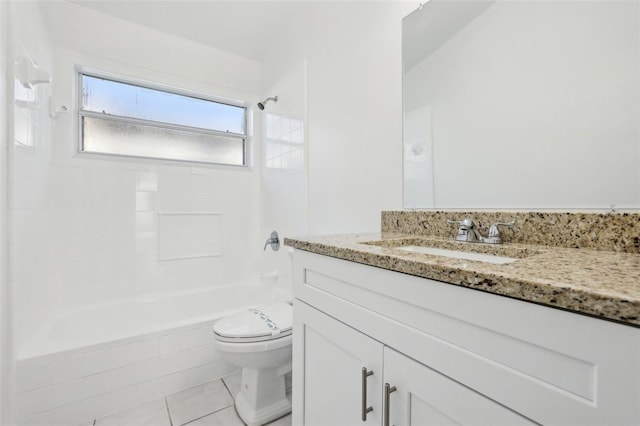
(284, 159)
(29, 166)
(89, 229)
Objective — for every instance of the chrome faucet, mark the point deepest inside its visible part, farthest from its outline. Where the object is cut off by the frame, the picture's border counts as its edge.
(468, 232)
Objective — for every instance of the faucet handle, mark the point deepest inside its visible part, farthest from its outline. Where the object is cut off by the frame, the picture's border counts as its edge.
(465, 224)
(494, 232)
(466, 229)
(273, 241)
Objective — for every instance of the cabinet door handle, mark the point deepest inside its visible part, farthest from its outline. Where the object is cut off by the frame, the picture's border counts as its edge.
(388, 390)
(365, 373)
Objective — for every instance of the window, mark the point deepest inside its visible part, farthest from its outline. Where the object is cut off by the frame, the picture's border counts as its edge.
(120, 117)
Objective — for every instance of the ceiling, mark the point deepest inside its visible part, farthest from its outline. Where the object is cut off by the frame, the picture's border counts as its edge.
(243, 27)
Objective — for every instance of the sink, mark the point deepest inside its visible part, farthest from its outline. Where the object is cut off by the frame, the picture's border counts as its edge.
(498, 254)
(479, 257)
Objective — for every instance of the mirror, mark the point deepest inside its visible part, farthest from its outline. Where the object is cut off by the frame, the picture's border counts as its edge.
(522, 105)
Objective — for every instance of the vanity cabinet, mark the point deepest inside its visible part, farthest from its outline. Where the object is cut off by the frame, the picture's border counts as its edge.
(340, 363)
(451, 355)
(334, 355)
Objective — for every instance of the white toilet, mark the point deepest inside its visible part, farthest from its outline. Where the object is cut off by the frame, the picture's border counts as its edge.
(259, 341)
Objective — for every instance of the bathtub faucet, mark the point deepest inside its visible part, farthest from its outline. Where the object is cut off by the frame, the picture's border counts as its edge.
(273, 241)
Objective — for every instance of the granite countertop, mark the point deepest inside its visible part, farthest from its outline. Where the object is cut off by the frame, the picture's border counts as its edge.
(600, 283)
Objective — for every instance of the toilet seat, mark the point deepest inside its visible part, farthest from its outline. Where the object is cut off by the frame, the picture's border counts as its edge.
(259, 324)
(259, 341)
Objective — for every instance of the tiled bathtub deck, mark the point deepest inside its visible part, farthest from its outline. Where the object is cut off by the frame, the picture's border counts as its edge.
(209, 404)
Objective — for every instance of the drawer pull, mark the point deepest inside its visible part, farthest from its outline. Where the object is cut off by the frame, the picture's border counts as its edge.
(388, 390)
(365, 373)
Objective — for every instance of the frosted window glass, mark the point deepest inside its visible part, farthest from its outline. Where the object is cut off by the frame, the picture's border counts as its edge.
(105, 96)
(137, 140)
(122, 118)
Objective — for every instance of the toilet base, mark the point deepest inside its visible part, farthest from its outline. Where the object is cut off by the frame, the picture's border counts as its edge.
(262, 397)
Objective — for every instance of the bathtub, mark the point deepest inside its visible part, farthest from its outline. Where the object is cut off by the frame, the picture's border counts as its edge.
(102, 359)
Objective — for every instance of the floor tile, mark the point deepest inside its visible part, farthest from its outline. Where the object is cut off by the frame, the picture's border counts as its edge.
(224, 417)
(152, 413)
(198, 402)
(233, 383)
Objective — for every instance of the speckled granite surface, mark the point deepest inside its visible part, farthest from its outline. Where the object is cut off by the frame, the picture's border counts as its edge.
(610, 232)
(604, 283)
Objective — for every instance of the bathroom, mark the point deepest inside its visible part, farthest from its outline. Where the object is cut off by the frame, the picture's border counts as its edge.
(84, 234)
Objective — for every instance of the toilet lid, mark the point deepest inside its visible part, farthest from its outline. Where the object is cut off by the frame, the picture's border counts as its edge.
(256, 324)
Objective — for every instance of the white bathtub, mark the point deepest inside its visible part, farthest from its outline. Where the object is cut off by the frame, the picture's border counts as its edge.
(105, 358)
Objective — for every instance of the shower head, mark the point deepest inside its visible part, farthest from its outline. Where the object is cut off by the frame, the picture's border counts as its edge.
(263, 103)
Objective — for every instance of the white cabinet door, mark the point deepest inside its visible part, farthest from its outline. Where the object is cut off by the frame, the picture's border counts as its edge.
(333, 355)
(424, 397)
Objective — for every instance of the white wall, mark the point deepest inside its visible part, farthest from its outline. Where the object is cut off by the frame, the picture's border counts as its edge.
(535, 104)
(29, 157)
(85, 228)
(6, 352)
(354, 109)
(284, 158)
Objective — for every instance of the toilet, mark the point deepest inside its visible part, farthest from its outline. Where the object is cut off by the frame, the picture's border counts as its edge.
(259, 341)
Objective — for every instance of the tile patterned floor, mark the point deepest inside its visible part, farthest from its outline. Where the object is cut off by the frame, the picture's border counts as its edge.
(210, 404)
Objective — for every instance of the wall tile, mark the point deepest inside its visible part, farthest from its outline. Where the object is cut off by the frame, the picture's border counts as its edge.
(146, 181)
(35, 401)
(145, 201)
(135, 373)
(26, 193)
(122, 355)
(122, 189)
(146, 222)
(122, 221)
(33, 377)
(70, 222)
(189, 235)
(96, 384)
(67, 392)
(96, 362)
(188, 359)
(100, 406)
(67, 368)
(145, 349)
(123, 398)
(67, 415)
(40, 419)
(150, 390)
(29, 226)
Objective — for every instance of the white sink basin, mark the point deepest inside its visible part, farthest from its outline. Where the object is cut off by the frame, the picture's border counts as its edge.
(479, 257)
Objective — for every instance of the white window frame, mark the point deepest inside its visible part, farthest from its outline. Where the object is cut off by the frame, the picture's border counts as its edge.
(81, 70)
